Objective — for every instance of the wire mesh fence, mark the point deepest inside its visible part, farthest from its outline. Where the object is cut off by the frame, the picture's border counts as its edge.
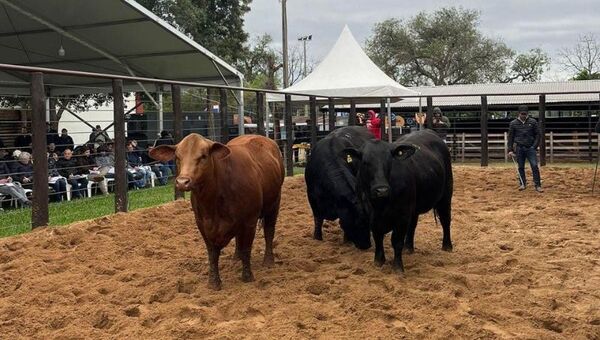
(88, 154)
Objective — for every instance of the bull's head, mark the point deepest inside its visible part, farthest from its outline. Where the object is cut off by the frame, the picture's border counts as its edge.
(374, 162)
(195, 157)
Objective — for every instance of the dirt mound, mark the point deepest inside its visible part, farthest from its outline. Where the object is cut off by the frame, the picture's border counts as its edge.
(524, 265)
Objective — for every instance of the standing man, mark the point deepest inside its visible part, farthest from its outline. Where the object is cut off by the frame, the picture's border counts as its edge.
(523, 140)
(441, 123)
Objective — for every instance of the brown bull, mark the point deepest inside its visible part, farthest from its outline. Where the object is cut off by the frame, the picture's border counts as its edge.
(232, 187)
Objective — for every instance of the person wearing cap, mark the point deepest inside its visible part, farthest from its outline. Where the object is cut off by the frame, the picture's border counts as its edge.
(523, 141)
(374, 124)
(441, 123)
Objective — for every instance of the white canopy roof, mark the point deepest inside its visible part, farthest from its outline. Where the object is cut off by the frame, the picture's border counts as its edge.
(108, 36)
(347, 71)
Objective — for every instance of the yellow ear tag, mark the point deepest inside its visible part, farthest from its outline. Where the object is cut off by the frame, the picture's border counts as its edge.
(348, 159)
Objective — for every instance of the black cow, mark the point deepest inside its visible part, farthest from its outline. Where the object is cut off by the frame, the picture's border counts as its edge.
(397, 182)
(330, 185)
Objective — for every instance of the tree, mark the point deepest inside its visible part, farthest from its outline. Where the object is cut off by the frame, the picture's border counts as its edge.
(583, 59)
(215, 24)
(445, 48)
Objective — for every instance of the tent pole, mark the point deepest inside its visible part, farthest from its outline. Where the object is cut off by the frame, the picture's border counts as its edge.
(389, 115)
(160, 109)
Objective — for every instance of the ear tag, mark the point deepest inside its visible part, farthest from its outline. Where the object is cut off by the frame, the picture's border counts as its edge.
(348, 159)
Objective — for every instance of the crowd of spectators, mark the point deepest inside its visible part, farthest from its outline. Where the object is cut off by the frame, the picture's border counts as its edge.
(72, 168)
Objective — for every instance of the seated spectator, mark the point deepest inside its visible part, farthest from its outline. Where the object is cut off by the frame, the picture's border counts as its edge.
(136, 167)
(105, 160)
(161, 170)
(8, 186)
(57, 182)
(23, 169)
(52, 150)
(51, 134)
(67, 168)
(86, 165)
(99, 136)
(23, 141)
(165, 139)
(64, 141)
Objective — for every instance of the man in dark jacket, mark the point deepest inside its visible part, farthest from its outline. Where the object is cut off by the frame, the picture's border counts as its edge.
(68, 168)
(441, 123)
(23, 141)
(64, 141)
(523, 141)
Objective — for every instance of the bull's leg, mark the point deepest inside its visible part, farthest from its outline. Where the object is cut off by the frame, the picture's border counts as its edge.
(318, 234)
(245, 238)
(444, 211)
(269, 222)
(214, 280)
(379, 252)
(409, 243)
(398, 244)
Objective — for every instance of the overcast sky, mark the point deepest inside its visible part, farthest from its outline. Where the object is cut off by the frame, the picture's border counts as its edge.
(521, 24)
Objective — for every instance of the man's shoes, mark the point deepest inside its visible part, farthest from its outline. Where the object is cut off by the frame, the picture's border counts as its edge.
(539, 189)
(521, 187)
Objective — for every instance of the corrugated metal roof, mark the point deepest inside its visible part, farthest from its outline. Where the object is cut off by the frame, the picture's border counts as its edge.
(465, 93)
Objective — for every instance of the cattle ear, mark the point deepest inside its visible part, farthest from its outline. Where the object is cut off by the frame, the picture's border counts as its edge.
(163, 153)
(404, 151)
(219, 151)
(350, 155)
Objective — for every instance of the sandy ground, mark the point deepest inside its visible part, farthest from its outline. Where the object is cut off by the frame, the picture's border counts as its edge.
(524, 265)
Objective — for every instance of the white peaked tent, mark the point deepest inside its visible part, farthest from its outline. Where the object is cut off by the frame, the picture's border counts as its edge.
(347, 71)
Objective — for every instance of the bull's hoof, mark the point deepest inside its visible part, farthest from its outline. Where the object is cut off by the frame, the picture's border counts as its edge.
(268, 261)
(236, 256)
(318, 237)
(399, 268)
(447, 247)
(379, 262)
(409, 250)
(214, 284)
(247, 277)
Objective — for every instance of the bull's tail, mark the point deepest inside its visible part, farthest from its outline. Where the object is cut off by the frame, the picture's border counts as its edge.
(436, 216)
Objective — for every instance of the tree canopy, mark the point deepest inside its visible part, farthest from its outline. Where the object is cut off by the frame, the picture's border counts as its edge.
(217, 25)
(445, 47)
(583, 59)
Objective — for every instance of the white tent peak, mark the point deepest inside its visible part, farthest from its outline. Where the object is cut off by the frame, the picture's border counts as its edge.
(347, 71)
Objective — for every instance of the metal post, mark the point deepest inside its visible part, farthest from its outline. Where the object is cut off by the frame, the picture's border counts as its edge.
(286, 81)
(39, 211)
(331, 114)
(241, 111)
(429, 118)
(224, 118)
(313, 121)
(484, 131)
(542, 119)
(381, 114)
(289, 135)
(177, 129)
(260, 114)
(352, 113)
(161, 115)
(120, 157)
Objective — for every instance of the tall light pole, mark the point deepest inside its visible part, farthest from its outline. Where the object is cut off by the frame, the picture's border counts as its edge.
(286, 81)
(304, 39)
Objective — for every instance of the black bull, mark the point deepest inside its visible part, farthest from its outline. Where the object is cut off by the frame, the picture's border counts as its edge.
(331, 184)
(397, 182)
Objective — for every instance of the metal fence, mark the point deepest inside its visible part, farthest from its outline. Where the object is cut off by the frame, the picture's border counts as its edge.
(110, 145)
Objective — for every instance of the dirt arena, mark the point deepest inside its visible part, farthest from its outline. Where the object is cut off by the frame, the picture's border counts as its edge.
(524, 265)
